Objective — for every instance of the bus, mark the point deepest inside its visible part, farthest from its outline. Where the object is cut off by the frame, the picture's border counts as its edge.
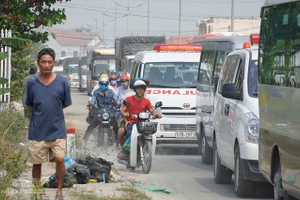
(214, 51)
(99, 61)
(279, 96)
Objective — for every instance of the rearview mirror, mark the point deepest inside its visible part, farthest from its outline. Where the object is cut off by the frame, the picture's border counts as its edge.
(229, 91)
(131, 82)
(126, 103)
(158, 104)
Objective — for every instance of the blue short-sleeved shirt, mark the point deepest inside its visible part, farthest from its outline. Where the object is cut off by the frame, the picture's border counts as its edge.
(47, 120)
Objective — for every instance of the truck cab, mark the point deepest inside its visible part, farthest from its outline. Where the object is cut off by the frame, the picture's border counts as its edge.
(171, 71)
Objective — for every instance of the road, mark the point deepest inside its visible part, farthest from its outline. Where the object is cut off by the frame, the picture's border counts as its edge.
(175, 167)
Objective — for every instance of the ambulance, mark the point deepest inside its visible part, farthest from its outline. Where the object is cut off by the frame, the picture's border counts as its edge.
(172, 72)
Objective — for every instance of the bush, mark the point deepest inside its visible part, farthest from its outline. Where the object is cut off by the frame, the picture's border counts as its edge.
(12, 154)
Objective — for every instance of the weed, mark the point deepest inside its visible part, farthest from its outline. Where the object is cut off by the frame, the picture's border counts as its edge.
(128, 193)
(12, 155)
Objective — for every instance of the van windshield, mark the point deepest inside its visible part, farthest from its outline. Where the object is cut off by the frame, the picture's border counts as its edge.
(171, 74)
(253, 78)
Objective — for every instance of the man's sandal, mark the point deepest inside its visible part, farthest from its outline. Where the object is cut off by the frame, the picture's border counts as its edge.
(59, 197)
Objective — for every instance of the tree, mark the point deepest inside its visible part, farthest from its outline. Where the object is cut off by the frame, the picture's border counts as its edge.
(23, 17)
(82, 29)
(16, 43)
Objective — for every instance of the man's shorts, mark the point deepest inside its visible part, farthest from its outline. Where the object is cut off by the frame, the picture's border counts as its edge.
(122, 124)
(44, 151)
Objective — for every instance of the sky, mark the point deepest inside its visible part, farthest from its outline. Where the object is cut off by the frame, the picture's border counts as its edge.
(163, 15)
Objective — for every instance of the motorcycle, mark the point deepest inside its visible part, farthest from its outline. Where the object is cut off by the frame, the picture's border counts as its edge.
(143, 141)
(104, 136)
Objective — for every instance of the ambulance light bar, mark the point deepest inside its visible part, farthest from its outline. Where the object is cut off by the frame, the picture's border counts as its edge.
(177, 47)
(254, 38)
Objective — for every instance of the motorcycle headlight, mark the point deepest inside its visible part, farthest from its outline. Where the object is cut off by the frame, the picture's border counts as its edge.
(251, 128)
(105, 116)
(144, 115)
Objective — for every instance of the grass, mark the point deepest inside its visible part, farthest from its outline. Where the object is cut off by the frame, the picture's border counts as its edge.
(12, 154)
(128, 193)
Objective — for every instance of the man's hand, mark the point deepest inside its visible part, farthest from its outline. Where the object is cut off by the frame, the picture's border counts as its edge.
(126, 124)
(159, 115)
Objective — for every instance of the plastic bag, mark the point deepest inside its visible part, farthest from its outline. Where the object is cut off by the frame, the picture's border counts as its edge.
(126, 146)
(81, 173)
(98, 167)
(69, 162)
(69, 181)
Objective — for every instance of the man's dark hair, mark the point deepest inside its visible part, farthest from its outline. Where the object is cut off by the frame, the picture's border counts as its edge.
(32, 70)
(46, 51)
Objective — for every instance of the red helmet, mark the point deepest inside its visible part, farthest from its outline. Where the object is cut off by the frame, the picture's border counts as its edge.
(124, 78)
(112, 77)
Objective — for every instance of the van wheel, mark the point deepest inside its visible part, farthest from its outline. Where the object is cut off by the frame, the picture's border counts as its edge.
(206, 151)
(222, 175)
(242, 187)
(279, 192)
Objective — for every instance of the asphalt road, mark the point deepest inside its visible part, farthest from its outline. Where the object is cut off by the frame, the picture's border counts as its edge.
(175, 167)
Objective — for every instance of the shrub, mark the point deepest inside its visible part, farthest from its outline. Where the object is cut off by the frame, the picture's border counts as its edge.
(12, 154)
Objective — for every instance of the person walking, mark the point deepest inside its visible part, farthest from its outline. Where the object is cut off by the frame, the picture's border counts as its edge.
(47, 95)
(32, 72)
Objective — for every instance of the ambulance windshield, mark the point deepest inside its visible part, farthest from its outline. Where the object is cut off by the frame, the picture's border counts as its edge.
(171, 74)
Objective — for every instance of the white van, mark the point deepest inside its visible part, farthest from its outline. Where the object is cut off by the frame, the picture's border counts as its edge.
(236, 123)
(172, 75)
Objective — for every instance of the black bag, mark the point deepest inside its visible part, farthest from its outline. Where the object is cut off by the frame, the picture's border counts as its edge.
(98, 168)
(92, 114)
(80, 172)
(69, 181)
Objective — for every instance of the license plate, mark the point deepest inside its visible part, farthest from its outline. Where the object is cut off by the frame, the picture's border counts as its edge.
(185, 134)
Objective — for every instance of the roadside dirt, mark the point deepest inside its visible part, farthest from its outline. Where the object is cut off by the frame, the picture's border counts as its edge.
(22, 187)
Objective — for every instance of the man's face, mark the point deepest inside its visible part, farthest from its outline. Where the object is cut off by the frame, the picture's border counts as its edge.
(140, 91)
(46, 64)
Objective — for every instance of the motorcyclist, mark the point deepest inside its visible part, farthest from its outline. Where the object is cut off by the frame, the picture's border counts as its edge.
(97, 86)
(113, 81)
(124, 89)
(138, 103)
(103, 98)
(118, 79)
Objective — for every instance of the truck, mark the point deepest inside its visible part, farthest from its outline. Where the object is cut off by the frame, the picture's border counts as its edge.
(127, 47)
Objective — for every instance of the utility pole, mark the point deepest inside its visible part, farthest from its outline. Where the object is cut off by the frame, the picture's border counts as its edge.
(148, 18)
(116, 9)
(232, 16)
(103, 28)
(127, 16)
(179, 25)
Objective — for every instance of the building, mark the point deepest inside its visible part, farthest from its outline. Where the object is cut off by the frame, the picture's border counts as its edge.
(69, 43)
(243, 26)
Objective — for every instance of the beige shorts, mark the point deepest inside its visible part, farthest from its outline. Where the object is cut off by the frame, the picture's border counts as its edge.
(44, 151)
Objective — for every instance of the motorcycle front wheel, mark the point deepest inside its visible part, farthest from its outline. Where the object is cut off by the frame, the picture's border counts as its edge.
(147, 156)
(105, 137)
(99, 138)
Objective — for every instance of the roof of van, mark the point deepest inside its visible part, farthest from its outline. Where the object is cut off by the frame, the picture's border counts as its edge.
(153, 56)
(238, 41)
(276, 2)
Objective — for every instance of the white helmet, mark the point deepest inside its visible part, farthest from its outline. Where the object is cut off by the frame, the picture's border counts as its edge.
(139, 83)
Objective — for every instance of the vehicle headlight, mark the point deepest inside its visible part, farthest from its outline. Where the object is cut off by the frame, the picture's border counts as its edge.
(251, 128)
(144, 115)
(105, 116)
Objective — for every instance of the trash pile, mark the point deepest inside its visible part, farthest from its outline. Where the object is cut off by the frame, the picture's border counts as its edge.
(82, 171)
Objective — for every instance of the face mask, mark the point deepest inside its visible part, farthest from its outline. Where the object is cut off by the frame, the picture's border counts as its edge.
(103, 87)
(113, 82)
(125, 84)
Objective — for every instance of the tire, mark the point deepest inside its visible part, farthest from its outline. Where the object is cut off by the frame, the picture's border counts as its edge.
(147, 153)
(278, 189)
(222, 175)
(206, 151)
(105, 137)
(242, 187)
(99, 136)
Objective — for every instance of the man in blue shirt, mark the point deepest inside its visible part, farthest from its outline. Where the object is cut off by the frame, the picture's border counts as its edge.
(47, 95)
(105, 99)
